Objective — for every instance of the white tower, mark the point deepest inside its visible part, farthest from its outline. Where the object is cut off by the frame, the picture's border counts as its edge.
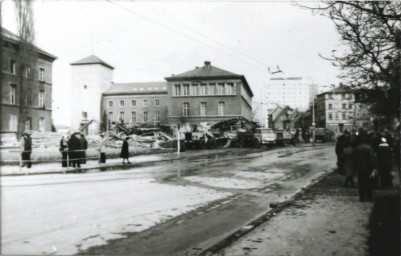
(90, 77)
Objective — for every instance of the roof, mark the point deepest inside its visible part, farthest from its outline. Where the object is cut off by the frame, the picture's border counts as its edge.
(137, 88)
(92, 59)
(340, 89)
(13, 38)
(209, 72)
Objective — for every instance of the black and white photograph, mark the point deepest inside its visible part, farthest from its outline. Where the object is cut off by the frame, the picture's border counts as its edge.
(188, 127)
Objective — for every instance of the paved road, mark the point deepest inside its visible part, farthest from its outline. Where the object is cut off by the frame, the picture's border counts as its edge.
(179, 207)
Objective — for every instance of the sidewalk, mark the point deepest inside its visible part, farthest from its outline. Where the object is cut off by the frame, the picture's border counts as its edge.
(49, 168)
(328, 219)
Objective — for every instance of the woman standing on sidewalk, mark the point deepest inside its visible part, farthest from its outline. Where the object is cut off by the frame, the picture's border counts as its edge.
(125, 151)
(64, 151)
(102, 149)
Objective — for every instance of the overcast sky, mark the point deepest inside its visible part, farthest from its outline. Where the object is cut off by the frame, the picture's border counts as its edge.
(147, 41)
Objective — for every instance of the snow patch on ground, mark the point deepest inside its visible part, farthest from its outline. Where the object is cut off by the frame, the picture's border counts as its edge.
(65, 218)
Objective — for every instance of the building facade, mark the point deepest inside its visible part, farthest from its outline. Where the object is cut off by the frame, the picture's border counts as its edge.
(208, 94)
(136, 103)
(90, 77)
(35, 92)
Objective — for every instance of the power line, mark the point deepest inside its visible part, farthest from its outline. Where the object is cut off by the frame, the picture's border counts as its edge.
(185, 35)
(201, 34)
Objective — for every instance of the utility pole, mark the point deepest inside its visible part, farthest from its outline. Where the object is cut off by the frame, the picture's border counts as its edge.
(313, 122)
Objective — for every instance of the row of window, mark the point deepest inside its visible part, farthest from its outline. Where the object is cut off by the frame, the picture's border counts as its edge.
(145, 116)
(345, 116)
(145, 103)
(13, 93)
(13, 70)
(344, 96)
(203, 109)
(13, 123)
(344, 106)
(203, 89)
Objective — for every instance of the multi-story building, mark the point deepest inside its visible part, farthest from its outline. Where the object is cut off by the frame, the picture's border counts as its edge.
(294, 92)
(90, 77)
(363, 117)
(208, 94)
(37, 99)
(335, 109)
(136, 103)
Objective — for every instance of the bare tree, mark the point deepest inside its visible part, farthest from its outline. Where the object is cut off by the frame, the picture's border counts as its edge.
(26, 60)
(370, 32)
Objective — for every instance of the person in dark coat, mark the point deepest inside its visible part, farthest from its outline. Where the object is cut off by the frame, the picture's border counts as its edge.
(26, 155)
(348, 168)
(343, 141)
(74, 146)
(125, 151)
(84, 146)
(384, 164)
(64, 151)
(363, 164)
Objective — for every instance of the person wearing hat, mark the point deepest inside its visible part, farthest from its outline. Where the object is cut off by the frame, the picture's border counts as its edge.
(74, 147)
(384, 164)
(102, 149)
(26, 155)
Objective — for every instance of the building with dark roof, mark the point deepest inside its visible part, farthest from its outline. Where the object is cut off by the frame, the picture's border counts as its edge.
(208, 94)
(34, 92)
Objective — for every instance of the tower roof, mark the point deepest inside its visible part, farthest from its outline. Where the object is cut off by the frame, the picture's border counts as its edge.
(92, 59)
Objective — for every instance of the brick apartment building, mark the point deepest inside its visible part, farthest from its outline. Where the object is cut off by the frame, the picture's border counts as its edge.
(208, 94)
(39, 78)
(136, 103)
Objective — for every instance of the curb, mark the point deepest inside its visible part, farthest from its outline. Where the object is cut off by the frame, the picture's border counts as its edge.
(276, 207)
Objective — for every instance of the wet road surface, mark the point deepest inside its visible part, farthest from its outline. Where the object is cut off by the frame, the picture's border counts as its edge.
(189, 204)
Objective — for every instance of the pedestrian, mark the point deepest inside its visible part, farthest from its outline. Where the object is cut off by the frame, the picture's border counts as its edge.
(384, 164)
(26, 155)
(343, 141)
(74, 147)
(102, 149)
(125, 151)
(348, 168)
(22, 144)
(64, 151)
(84, 147)
(363, 164)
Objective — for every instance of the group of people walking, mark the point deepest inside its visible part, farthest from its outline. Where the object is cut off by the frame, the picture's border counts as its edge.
(73, 150)
(369, 157)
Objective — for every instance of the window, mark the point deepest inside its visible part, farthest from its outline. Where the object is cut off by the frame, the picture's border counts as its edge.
(12, 123)
(85, 87)
(13, 69)
(28, 124)
(330, 106)
(185, 109)
(336, 115)
(349, 105)
(344, 116)
(157, 116)
(41, 98)
(42, 124)
(186, 89)
(133, 103)
(84, 115)
(212, 88)
(110, 117)
(110, 104)
(157, 103)
(194, 89)
(221, 108)
(344, 106)
(41, 74)
(220, 89)
(133, 117)
(145, 103)
(230, 89)
(145, 116)
(203, 109)
(13, 89)
(121, 117)
(177, 89)
(330, 116)
(121, 103)
(28, 71)
(203, 89)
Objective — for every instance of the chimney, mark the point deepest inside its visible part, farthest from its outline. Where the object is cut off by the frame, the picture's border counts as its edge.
(207, 64)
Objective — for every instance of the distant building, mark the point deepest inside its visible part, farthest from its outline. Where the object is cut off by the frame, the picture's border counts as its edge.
(136, 103)
(294, 92)
(363, 117)
(39, 78)
(90, 77)
(208, 94)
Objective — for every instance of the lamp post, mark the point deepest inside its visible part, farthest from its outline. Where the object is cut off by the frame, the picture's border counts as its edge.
(313, 122)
